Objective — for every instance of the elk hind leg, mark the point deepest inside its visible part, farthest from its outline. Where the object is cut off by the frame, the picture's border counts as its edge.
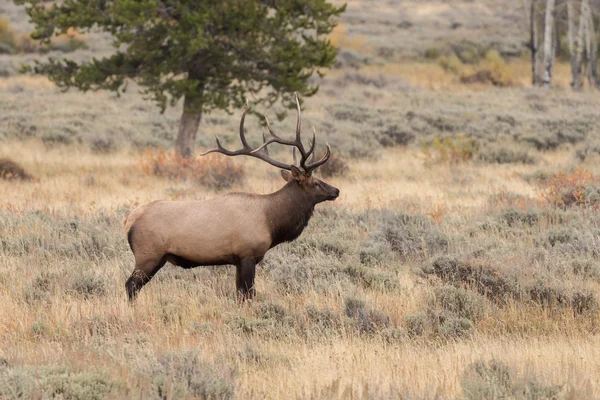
(141, 275)
(244, 280)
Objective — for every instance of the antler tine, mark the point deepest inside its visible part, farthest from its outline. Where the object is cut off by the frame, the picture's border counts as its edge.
(299, 128)
(242, 134)
(313, 143)
(274, 139)
(322, 161)
(247, 150)
(264, 143)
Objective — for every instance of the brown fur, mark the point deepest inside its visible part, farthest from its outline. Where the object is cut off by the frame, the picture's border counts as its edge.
(236, 228)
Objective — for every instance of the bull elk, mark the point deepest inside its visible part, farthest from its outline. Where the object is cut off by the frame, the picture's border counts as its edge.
(233, 229)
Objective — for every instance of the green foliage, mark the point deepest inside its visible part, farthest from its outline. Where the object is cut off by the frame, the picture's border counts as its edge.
(213, 53)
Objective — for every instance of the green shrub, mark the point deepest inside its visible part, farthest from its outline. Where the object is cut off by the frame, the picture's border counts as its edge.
(451, 63)
(432, 53)
(411, 236)
(506, 156)
(416, 323)
(458, 301)
(455, 328)
(367, 320)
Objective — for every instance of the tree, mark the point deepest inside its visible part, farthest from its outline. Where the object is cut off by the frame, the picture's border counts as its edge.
(211, 53)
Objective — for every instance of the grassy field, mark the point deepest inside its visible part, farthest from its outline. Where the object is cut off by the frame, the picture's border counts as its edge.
(460, 261)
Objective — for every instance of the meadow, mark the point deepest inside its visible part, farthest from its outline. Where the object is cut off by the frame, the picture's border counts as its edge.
(460, 261)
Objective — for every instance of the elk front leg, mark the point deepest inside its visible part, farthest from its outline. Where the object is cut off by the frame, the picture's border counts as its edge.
(244, 279)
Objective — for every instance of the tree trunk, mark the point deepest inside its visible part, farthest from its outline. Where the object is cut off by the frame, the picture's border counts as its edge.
(533, 37)
(591, 48)
(571, 38)
(548, 44)
(188, 127)
(579, 52)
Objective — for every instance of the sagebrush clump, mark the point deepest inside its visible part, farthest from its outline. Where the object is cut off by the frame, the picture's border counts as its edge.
(211, 171)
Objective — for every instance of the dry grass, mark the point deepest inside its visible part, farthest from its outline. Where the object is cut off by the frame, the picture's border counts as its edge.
(429, 265)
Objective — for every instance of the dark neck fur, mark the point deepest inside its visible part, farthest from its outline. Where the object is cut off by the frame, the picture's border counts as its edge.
(288, 213)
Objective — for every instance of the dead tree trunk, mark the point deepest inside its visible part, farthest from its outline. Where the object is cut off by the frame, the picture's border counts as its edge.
(571, 39)
(533, 42)
(581, 31)
(548, 44)
(591, 48)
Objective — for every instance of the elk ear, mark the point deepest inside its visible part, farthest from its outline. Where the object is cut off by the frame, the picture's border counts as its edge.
(286, 175)
(297, 174)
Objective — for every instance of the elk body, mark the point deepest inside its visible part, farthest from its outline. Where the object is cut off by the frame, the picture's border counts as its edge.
(236, 228)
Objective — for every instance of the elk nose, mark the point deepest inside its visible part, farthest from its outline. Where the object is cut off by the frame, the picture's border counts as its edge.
(336, 193)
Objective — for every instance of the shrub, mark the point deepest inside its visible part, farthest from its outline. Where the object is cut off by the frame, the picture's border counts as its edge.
(485, 280)
(88, 285)
(52, 383)
(451, 149)
(40, 288)
(458, 301)
(411, 236)
(416, 323)
(580, 187)
(493, 69)
(454, 328)
(451, 63)
(271, 311)
(369, 278)
(335, 166)
(468, 52)
(494, 380)
(432, 53)
(367, 320)
(394, 135)
(586, 269)
(102, 144)
(7, 37)
(213, 171)
(10, 170)
(186, 375)
(325, 319)
(374, 252)
(514, 217)
(487, 381)
(506, 156)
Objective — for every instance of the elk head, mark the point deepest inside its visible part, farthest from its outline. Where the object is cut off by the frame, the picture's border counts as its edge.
(300, 174)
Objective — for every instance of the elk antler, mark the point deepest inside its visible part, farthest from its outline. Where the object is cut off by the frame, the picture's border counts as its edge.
(247, 150)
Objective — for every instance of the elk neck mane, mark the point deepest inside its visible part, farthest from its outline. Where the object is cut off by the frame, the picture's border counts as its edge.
(288, 212)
